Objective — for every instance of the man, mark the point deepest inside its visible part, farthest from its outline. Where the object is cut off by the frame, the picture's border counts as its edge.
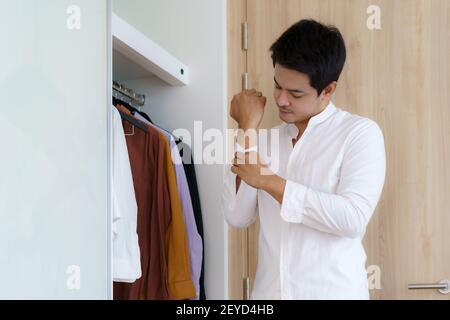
(315, 204)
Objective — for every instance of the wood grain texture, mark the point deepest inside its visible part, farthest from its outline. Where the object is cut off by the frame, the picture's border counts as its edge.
(237, 64)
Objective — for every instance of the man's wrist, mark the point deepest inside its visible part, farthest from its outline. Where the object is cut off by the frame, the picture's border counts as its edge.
(241, 149)
(248, 126)
(274, 185)
(246, 141)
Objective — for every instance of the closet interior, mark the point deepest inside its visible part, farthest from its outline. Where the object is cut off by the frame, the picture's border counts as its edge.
(157, 249)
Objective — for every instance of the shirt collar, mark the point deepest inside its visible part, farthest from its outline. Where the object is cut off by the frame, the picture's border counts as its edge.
(318, 118)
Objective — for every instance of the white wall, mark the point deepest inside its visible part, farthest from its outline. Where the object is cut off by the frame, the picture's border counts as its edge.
(194, 31)
(53, 139)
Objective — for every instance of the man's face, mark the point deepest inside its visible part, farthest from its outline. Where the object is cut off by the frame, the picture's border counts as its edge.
(297, 101)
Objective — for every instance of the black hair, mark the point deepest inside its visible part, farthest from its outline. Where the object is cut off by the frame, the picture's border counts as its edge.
(312, 48)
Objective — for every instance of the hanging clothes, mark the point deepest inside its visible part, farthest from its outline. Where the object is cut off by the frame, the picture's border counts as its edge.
(147, 159)
(189, 169)
(179, 281)
(195, 241)
(126, 252)
(179, 275)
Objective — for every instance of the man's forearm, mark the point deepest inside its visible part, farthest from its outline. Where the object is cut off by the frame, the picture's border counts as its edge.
(274, 185)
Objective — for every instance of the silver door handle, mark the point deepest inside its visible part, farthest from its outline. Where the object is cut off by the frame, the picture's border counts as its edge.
(443, 286)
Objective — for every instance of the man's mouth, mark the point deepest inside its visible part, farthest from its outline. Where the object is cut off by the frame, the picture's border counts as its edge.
(284, 111)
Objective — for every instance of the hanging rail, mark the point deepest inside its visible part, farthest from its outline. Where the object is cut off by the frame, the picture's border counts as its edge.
(136, 99)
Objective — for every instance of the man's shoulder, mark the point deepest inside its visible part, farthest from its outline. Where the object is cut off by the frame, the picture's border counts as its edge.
(359, 128)
(355, 121)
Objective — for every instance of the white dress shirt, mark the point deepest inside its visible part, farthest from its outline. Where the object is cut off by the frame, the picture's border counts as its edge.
(126, 252)
(310, 247)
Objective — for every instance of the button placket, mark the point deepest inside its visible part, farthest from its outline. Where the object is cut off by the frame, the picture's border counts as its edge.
(296, 149)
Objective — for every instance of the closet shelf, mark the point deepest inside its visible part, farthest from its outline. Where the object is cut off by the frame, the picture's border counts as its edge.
(147, 58)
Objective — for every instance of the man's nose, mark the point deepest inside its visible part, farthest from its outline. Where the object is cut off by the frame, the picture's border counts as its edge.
(282, 99)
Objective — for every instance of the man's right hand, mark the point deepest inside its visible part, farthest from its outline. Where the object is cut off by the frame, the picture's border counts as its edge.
(247, 108)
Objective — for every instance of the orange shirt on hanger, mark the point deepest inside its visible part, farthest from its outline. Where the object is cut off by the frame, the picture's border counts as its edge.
(178, 264)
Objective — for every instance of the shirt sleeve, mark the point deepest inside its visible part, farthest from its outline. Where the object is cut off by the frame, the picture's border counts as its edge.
(239, 209)
(347, 212)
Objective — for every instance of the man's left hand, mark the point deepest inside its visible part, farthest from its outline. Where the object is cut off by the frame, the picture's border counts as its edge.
(250, 168)
(257, 174)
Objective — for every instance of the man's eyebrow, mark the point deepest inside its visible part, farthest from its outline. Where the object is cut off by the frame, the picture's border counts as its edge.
(290, 90)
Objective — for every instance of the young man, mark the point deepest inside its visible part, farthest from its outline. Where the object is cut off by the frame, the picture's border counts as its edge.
(316, 203)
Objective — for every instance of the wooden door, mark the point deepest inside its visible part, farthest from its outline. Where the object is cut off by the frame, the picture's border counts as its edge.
(399, 76)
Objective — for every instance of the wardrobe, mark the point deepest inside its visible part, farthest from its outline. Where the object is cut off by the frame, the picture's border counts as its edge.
(56, 128)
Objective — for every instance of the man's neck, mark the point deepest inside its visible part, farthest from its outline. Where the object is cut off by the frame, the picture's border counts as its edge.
(303, 124)
(301, 127)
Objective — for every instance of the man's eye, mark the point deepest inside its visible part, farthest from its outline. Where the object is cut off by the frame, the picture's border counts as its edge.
(296, 97)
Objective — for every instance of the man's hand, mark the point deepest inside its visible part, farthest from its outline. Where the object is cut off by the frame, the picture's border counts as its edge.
(257, 174)
(247, 108)
(250, 168)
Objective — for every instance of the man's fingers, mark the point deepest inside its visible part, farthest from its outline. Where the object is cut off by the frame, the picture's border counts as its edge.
(239, 156)
(259, 94)
(237, 161)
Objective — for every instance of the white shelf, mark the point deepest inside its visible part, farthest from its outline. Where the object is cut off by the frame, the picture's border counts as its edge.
(137, 56)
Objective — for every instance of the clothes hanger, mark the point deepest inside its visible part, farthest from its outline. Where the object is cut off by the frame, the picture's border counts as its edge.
(133, 121)
(117, 101)
(132, 109)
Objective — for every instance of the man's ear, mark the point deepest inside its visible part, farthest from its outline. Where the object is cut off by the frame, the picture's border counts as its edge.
(327, 93)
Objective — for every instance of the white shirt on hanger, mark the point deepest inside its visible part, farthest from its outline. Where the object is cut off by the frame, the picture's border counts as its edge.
(310, 247)
(126, 252)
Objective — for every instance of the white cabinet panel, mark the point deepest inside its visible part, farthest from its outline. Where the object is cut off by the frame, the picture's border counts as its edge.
(54, 229)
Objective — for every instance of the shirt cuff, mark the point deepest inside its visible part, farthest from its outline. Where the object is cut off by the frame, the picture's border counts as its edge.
(239, 148)
(293, 203)
(245, 191)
